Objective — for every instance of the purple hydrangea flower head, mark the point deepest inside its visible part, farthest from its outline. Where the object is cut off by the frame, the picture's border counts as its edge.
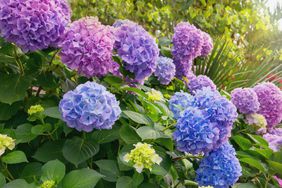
(200, 82)
(207, 44)
(179, 102)
(187, 45)
(219, 168)
(34, 24)
(87, 47)
(89, 106)
(195, 133)
(165, 70)
(209, 127)
(270, 99)
(274, 138)
(245, 99)
(137, 49)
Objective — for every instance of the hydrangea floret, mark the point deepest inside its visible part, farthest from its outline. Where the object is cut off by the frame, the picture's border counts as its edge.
(6, 142)
(35, 109)
(179, 102)
(87, 47)
(34, 24)
(200, 82)
(245, 99)
(270, 99)
(207, 44)
(274, 138)
(137, 49)
(155, 95)
(165, 70)
(219, 168)
(89, 106)
(142, 156)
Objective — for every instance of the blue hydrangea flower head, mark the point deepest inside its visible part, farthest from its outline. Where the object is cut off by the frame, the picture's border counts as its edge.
(138, 50)
(219, 168)
(195, 133)
(179, 102)
(165, 70)
(89, 106)
(34, 24)
(200, 82)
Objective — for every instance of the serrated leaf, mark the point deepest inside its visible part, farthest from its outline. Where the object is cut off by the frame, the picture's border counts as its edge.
(14, 157)
(128, 134)
(53, 170)
(109, 169)
(105, 136)
(24, 134)
(83, 178)
(137, 117)
(53, 112)
(125, 182)
(78, 150)
(49, 151)
(146, 133)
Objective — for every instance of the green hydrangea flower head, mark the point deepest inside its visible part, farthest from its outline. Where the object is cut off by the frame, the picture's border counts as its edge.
(142, 156)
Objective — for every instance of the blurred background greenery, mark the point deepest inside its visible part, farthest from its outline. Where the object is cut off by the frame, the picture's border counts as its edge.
(248, 42)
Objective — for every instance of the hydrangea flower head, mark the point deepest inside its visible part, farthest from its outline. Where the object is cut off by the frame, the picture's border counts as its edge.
(206, 187)
(165, 70)
(35, 109)
(87, 47)
(207, 44)
(155, 95)
(34, 24)
(219, 168)
(210, 124)
(137, 49)
(6, 142)
(179, 102)
(195, 133)
(256, 120)
(48, 184)
(245, 99)
(142, 156)
(89, 106)
(200, 82)
(270, 99)
(274, 138)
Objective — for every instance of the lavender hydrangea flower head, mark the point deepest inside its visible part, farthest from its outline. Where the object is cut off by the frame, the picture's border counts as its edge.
(33, 24)
(87, 47)
(165, 70)
(195, 133)
(220, 168)
(270, 99)
(137, 49)
(245, 99)
(89, 106)
(207, 44)
(200, 82)
(210, 125)
(179, 102)
(274, 138)
(187, 45)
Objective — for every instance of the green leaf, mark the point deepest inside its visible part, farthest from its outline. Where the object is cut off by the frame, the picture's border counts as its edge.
(158, 170)
(244, 185)
(16, 86)
(137, 178)
(128, 134)
(7, 111)
(2, 180)
(125, 182)
(83, 178)
(53, 112)
(137, 117)
(78, 150)
(40, 129)
(146, 133)
(24, 134)
(31, 171)
(254, 163)
(19, 183)
(109, 169)
(244, 143)
(53, 170)
(14, 157)
(106, 136)
(49, 151)
(276, 167)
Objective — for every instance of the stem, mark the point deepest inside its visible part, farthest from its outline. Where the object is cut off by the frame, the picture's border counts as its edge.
(18, 61)
(168, 127)
(188, 156)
